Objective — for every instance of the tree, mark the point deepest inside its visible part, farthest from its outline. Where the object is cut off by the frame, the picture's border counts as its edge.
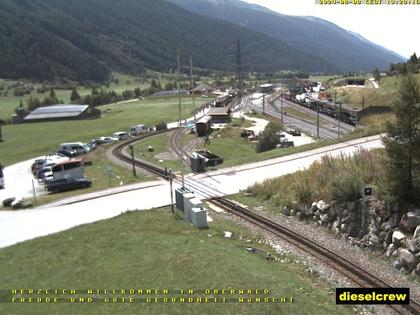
(376, 75)
(413, 59)
(269, 138)
(75, 96)
(402, 144)
(52, 94)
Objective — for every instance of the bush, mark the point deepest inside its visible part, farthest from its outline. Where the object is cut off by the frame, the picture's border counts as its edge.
(269, 138)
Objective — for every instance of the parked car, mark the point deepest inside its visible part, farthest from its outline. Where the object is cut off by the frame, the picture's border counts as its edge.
(109, 140)
(78, 147)
(68, 183)
(44, 172)
(66, 153)
(97, 142)
(121, 135)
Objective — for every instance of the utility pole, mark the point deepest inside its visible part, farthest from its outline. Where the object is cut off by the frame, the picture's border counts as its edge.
(263, 103)
(336, 114)
(178, 57)
(317, 120)
(239, 67)
(339, 122)
(281, 106)
(192, 89)
(172, 193)
(132, 159)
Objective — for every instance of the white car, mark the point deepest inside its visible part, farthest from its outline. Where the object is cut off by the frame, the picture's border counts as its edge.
(109, 140)
(120, 135)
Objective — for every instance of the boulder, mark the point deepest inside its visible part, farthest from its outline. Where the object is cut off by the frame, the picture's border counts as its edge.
(417, 232)
(397, 264)
(286, 211)
(383, 235)
(407, 259)
(343, 227)
(324, 218)
(397, 237)
(373, 240)
(413, 219)
(335, 225)
(417, 270)
(322, 206)
(374, 227)
(386, 226)
(388, 237)
(390, 250)
(413, 245)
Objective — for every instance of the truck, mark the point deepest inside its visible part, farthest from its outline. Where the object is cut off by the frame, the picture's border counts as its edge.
(137, 129)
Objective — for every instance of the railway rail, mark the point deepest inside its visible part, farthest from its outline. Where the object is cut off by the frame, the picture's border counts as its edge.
(353, 272)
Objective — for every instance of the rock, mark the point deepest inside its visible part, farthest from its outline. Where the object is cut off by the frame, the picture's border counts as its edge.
(388, 237)
(413, 219)
(375, 227)
(383, 235)
(417, 270)
(396, 252)
(397, 265)
(386, 226)
(413, 245)
(321, 205)
(286, 211)
(390, 250)
(227, 234)
(373, 240)
(343, 227)
(292, 212)
(417, 232)
(407, 259)
(397, 237)
(324, 218)
(335, 225)
(299, 215)
(313, 206)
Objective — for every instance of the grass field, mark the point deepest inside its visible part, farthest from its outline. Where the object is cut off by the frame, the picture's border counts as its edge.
(160, 144)
(156, 250)
(30, 140)
(10, 102)
(384, 96)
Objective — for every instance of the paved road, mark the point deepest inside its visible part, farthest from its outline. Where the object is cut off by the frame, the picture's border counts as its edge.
(18, 226)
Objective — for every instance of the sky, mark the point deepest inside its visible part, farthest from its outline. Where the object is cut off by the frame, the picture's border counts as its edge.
(395, 27)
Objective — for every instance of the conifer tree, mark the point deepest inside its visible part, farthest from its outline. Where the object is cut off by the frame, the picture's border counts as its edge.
(402, 144)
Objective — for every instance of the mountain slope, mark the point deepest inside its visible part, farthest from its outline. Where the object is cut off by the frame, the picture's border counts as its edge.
(85, 39)
(309, 34)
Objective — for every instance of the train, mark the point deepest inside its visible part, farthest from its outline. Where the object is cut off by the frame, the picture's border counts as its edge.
(336, 111)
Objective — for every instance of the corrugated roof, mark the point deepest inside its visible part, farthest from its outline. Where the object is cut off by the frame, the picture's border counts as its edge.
(218, 111)
(203, 87)
(204, 120)
(57, 111)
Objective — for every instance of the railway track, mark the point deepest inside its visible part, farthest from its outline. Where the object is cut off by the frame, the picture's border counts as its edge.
(359, 276)
(356, 274)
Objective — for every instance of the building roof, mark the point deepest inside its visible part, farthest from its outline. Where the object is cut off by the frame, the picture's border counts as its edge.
(56, 111)
(203, 88)
(204, 120)
(219, 111)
